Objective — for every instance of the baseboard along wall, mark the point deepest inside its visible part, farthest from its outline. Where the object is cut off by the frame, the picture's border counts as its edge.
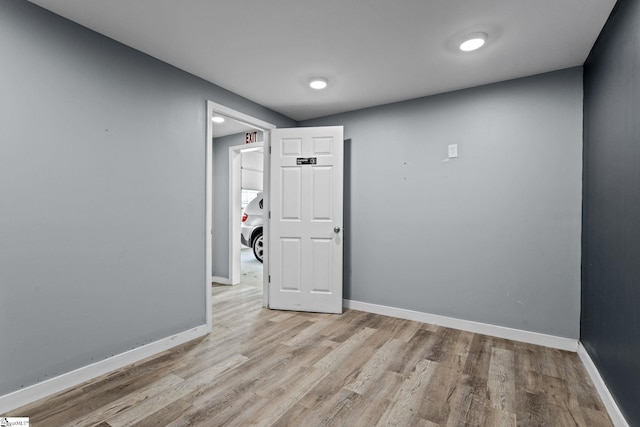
(605, 395)
(552, 341)
(62, 382)
(54, 385)
(220, 280)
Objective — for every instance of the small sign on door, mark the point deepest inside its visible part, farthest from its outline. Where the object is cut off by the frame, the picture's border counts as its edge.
(307, 161)
(250, 137)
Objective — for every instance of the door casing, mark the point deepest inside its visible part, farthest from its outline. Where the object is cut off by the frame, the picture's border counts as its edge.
(219, 109)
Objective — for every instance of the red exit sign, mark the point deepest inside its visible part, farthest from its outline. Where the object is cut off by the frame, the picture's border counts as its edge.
(250, 137)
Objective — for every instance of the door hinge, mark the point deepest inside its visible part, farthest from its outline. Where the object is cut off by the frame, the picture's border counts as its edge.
(269, 278)
(269, 214)
(269, 149)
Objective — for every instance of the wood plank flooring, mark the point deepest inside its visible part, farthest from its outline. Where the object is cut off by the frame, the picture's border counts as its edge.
(272, 368)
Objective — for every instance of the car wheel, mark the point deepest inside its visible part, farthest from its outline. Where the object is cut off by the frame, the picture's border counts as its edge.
(258, 247)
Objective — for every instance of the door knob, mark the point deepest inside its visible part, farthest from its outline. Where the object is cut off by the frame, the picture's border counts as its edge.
(336, 229)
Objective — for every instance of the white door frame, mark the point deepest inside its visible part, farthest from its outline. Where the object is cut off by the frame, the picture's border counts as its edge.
(220, 109)
(208, 214)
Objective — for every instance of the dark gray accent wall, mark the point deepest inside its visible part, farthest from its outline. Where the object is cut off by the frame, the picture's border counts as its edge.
(610, 323)
(102, 196)
(492, 236)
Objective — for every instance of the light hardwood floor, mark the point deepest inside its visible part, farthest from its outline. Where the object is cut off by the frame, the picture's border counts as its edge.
(262, 367)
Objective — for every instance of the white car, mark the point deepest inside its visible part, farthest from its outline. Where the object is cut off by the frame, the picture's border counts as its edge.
(252, 221)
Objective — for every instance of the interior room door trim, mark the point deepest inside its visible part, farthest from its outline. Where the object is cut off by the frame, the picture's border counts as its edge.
(208, 214)
(256, 123)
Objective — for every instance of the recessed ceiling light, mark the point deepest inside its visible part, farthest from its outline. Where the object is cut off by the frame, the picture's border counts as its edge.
(218, 119)
(473, 41)
(318, 83)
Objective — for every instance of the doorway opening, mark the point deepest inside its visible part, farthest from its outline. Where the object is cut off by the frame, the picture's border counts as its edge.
(246, 167)
(240, 124)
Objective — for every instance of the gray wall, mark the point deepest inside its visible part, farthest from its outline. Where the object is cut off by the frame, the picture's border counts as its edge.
(610, 325)
(492, 236)
(102, 199)
(102, 204)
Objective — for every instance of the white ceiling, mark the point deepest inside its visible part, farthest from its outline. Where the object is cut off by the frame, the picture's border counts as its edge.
(372, 51)
(230, 127)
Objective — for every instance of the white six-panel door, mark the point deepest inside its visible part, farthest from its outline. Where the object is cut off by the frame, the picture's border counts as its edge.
(306, 236)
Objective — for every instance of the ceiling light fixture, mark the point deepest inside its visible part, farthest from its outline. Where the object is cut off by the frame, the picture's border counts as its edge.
(318, 83)
(218, 119)
(473, 41)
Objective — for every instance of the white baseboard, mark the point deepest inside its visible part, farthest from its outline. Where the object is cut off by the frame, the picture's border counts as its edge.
(221, 280)
(46, 388)
(612, 407)
(467, 325)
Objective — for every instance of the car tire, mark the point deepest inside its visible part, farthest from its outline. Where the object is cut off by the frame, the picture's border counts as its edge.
(258, 247)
